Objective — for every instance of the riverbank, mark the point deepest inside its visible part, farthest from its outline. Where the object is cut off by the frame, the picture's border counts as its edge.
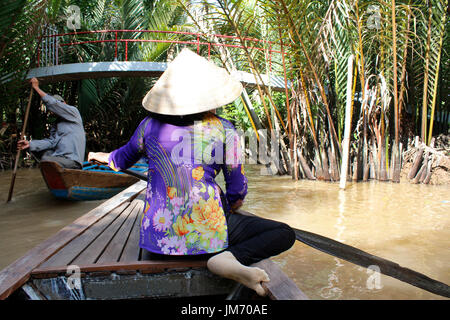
(439, 166)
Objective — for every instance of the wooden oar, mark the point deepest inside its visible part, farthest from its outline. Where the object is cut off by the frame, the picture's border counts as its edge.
(22, 135)
(356, 256)
(364, 259)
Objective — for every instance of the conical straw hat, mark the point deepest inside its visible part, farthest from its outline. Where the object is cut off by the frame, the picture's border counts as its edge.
(191, 84)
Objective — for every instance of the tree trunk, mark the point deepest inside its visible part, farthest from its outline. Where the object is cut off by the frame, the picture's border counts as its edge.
(416, 164)
(305, 166)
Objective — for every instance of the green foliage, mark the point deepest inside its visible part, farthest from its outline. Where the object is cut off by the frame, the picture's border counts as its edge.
(21, 24)
(111, 108)
(317, 36)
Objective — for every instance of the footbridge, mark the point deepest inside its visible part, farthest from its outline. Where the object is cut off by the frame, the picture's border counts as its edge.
(56, 50)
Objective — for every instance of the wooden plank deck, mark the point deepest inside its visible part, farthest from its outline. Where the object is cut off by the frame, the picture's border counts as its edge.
(105, 242)
(18, 273)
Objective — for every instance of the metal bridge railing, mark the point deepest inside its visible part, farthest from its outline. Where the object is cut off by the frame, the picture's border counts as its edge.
(53, 44)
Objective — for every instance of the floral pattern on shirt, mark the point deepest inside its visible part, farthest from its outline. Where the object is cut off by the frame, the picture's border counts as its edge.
(183, 212)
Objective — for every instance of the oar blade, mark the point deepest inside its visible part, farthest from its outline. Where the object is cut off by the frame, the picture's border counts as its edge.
(364, 259)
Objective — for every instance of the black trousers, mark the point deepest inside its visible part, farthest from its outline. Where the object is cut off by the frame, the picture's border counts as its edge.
(252, 239)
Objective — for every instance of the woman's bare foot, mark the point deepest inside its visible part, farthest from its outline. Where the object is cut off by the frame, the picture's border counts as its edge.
(252, 278)
(226, 265)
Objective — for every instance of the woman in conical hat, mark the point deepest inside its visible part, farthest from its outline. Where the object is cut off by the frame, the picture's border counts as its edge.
(187, 145)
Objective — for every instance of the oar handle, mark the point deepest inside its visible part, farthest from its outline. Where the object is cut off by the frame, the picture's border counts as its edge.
(136, 174)
(133, 173)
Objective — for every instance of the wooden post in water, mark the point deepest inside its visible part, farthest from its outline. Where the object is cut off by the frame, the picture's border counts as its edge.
(22, 135)
(348, 123)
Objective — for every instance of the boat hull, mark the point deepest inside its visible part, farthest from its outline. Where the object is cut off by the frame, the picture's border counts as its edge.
(86, 184)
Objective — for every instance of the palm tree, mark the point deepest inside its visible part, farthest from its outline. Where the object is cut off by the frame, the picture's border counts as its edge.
(400, 76)
(318, 37)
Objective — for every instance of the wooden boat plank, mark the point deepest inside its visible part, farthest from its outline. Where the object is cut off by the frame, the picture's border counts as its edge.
(96, 179)
(115, 247)
(170, 283)
(93, 250)
(148, 266)
(70, 251)
(131, 250)
(17, 273)
(75, 177)
(280, 286)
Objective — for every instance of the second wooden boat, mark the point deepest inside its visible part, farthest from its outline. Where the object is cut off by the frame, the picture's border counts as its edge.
(93, 182)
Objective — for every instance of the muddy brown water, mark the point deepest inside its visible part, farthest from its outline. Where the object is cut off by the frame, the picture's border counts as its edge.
(405, 223)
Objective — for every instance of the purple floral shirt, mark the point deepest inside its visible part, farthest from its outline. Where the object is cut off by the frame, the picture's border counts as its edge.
(183, 212)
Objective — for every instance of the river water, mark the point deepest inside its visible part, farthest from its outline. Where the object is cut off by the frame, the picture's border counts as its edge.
(405, 223)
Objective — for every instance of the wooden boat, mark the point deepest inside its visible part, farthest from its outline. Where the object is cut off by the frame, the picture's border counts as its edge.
(100, 250)
(93, 182)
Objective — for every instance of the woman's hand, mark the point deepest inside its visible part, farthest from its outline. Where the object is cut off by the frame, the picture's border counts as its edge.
(101, 157)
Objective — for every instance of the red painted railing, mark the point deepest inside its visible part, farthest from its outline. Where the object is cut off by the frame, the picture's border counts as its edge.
(265, 46)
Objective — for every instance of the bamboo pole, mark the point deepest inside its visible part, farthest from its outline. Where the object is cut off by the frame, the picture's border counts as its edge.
(372, 171)
(395, 156)
(433, 102)
(403, 76)
(394, 48)
(365, 151)
(425, 80)
(22, 135)
(382, 146)
(362, 73)
(348, 122)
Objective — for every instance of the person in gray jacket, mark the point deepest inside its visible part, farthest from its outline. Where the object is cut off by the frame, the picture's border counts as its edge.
(67, 142)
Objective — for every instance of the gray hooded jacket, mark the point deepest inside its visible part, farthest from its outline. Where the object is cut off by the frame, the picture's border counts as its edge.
(67, 137)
